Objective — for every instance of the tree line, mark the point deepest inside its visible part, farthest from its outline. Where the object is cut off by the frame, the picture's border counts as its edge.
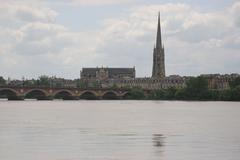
(47, 81)
(196, 89)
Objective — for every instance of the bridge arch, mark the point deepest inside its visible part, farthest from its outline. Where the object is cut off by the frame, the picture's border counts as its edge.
(8, 93)
(88, 95)
(63, 94)
(39, 94)
(111, 95)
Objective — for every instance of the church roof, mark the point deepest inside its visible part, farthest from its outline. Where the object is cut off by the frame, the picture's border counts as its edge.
(110, 71)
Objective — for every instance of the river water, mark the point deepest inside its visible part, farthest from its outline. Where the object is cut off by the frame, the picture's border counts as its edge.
(119, 130)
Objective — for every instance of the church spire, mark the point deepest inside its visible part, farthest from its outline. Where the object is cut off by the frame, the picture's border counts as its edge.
(158, 55)
(159, 34)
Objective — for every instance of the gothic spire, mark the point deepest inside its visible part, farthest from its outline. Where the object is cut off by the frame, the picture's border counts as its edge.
(159, 34)
(158, 55)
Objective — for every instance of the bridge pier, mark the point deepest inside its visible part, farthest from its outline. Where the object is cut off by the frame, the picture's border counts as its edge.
(15, 98)
(44, 98)
(120, 97)
(70, 98)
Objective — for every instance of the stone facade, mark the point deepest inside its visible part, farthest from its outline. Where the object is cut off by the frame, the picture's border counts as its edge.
(105, 74)
(153, 84)
(219, 82)
(215, 82)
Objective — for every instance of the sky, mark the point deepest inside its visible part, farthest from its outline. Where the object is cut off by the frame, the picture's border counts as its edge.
(59, 37)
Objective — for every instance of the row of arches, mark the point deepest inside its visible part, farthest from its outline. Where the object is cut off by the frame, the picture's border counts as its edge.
(63, 94)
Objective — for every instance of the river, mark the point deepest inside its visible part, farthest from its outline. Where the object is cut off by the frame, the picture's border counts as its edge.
(119, 130)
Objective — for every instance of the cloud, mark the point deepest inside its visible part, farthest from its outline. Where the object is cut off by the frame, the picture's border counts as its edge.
(33, 43)
(196, 41)
(235, 10)
(88, 3)
(26, 12)
(41, 38)
(100, 2)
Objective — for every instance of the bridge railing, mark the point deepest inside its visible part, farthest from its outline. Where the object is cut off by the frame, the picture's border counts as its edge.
(68, 87)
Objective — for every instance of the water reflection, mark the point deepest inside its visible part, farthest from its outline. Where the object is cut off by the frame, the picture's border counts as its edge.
(158, 140)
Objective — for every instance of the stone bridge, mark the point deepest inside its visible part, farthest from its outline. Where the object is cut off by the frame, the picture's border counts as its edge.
(47, 93)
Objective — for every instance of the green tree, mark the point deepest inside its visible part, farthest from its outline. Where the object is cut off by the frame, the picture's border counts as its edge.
(58, 85)
(157, 95)
(127, 87)
(44, 81)
(2, 81)
(234, 83)
(81, 84)
(214, 95)
(137, 93)
(95, 84)
(28, 83)
(170, 93)
(163, 94)
(181, 94)
(226, 95)
(114, 86)
(232, 94)
(235, 93)
(197, 89)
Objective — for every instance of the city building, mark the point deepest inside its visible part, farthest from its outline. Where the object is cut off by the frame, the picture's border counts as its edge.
(121, 77)
(218, 81)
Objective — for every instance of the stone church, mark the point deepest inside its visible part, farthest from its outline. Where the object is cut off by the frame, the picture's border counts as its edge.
(103, 74)
(158, 70)
(125, 77)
